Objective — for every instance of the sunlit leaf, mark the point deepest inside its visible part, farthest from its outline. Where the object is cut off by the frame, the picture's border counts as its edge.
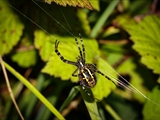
(11, 28)
(26, 55)
(74, 3)
(110, 31)
(104, 86)
(151, 110)
(43, 44)
(95, 4)
(145, 36)
(25, 58)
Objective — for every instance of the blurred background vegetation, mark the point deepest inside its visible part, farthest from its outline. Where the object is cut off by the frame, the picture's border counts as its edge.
(124, 34)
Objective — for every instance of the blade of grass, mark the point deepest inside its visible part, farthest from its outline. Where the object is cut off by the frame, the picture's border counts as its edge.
(35, 91)
(40, 81)
(90, 104)
(70, 97)
(44, 113)
(111, 111)
(103, 18)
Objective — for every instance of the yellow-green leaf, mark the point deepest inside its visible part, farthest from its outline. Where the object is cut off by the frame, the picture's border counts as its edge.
(151, 110)
(104, 86)
(11, 28)
(43, 43)
(25, 55)
(25, 58)
(146, 36)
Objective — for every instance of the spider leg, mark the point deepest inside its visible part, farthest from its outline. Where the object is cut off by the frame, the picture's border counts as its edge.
(105, 76)
(83, 48)
(60, 56)
(78, 47)
(73, 74)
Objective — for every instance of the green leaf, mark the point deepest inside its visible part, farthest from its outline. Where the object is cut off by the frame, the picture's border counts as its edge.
(43, 43)
(145, 36)
(25, 55)
(151, 110)
(11, 28)
(95, 4)
(110, 31)
(74, 3)
(25, 58)
(104, 86)
(137, 75)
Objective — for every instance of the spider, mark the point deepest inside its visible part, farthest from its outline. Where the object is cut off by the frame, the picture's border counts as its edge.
(86, 71)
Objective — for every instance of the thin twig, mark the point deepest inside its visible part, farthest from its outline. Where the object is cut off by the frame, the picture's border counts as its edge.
(9, 88)
(121, 42)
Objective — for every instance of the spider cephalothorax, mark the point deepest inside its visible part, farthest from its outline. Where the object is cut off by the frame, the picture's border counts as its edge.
(86, 71)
